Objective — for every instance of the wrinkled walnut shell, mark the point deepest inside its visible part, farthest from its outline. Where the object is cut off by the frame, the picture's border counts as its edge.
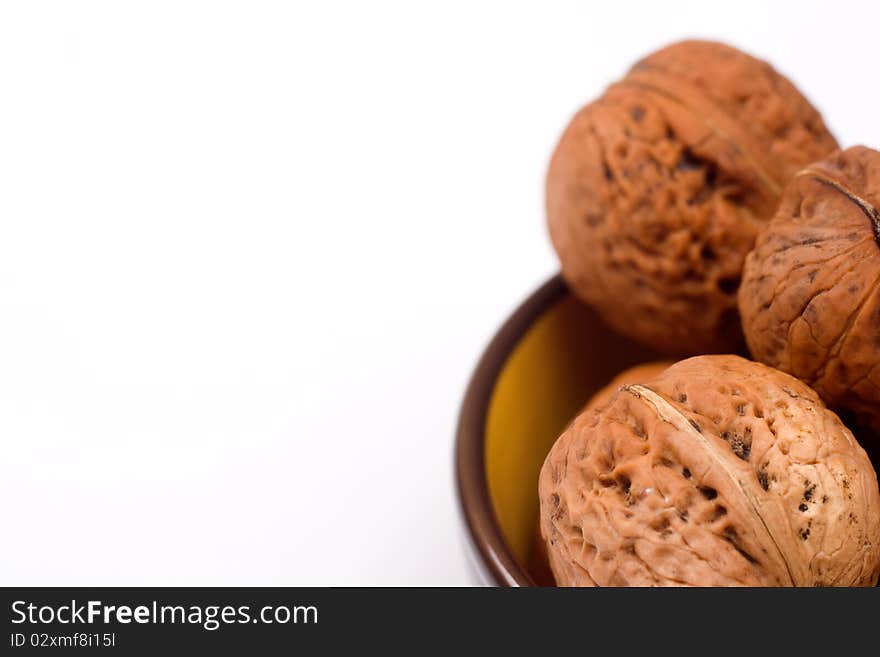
(657, 190)
(718, 472)
(810, 298)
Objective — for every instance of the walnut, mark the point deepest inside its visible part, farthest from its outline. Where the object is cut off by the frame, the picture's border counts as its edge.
(643, 372)
(657, 190)
(810, 300)
(719, 471)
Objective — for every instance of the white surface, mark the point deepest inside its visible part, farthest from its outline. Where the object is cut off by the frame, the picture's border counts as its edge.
(249, 254)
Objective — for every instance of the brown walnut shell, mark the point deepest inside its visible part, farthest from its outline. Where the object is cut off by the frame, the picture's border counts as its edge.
(718, 472)
(635, 374)
(810, 298)
(657, 190)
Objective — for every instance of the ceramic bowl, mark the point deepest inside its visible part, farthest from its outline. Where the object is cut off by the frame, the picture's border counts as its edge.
(541, 367)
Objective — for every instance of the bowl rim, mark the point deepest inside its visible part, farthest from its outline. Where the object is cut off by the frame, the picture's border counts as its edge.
(472, 488)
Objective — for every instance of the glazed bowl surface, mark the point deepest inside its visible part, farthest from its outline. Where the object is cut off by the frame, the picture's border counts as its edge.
(543, 365)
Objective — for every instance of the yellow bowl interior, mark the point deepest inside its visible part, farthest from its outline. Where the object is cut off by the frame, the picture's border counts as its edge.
(565, 357)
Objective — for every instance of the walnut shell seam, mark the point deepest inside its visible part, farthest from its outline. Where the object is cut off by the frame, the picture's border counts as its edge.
(668, 413)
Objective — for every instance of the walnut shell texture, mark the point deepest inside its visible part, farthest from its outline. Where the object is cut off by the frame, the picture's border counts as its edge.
(718, 472)
(657, 190)
(810, 298)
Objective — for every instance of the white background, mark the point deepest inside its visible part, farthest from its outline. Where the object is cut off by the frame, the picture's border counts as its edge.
(250, 252)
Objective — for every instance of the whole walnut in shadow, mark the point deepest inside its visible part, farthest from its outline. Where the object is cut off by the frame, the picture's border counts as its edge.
(657, 190)
(717, 472)
(635, 374)
(810, 298)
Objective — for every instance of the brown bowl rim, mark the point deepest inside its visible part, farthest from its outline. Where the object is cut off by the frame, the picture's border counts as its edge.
(475, 503)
